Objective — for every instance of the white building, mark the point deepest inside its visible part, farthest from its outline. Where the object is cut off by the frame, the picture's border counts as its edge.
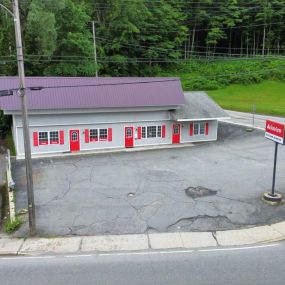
(83, 114)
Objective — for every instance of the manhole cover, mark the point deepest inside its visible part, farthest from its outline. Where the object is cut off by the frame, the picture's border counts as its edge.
(131, 194)
(198, 192)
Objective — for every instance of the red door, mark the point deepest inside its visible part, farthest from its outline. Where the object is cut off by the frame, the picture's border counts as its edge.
(129, 136)
(74, 140)
(176, 133)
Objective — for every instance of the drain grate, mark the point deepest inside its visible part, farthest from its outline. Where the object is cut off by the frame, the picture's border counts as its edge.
(198, 192)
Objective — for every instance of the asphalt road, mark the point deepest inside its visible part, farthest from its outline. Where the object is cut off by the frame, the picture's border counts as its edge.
(242, 266)
(247, 119)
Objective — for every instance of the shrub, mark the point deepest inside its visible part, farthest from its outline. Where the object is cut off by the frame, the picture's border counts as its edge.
(11, 226)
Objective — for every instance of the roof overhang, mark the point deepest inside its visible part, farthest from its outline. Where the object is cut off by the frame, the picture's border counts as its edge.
(99, 110)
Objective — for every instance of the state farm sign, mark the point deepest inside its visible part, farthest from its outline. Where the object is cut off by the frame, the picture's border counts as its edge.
(275, 131)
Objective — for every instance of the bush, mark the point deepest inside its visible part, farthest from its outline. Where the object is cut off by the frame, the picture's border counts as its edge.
(11, 227)
(215, 74)
(9, 143)
(5, 122)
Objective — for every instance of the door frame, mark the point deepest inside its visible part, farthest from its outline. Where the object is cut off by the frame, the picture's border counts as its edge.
(72, 130)
(179, 133)
(133, 129)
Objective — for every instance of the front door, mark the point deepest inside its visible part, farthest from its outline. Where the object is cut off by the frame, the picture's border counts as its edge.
(176, 133)
(129, 136)
(74, 140)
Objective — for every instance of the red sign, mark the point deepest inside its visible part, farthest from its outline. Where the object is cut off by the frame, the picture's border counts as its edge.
(275, 131)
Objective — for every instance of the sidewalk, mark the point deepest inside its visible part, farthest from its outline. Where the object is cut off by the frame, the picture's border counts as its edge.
(142, 242)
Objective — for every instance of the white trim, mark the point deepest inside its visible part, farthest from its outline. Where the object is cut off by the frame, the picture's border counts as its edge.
(202, 119)
(17, 141)
(96, 123)
(153, 144)
(198, 141)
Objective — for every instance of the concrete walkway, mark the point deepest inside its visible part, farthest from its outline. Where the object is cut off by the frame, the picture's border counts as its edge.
(246, 119)
(142, 242)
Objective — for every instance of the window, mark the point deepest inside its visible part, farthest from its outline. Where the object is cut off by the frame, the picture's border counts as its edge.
(103, 134)
(176, 129)
(74, 136)
(43, 138)
(199, 129)
(54, 137)
(151, 131)
(129, 132)
(159, 131)
(143, 133)
(202, 128)
(196, 129)
(93, 134)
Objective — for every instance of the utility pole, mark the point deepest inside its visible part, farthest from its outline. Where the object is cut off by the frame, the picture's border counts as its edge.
(27, 143)
(95, 47)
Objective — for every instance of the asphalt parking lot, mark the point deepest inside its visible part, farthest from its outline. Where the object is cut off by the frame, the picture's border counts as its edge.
(157, 190)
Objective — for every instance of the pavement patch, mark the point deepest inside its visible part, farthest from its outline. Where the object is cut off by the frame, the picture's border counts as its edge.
(198, 192)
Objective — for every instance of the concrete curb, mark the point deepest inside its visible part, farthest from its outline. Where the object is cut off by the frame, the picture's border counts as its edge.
(140, 242)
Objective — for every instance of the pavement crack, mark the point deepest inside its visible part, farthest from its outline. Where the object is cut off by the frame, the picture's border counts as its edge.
(214, 234)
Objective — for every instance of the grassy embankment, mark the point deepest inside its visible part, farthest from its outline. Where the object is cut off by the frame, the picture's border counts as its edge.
(237, 84)
(268, 96)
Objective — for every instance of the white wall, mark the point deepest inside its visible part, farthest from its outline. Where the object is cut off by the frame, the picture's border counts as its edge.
(81, 122)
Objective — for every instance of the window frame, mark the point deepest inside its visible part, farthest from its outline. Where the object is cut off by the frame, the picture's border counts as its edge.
(103, 129)
(144, 133)
(157, 132)
(47, 138)
(199, 133)
(58, 137)
(93, 138)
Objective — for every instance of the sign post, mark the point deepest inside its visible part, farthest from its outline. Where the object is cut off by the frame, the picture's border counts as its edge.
(275, 132)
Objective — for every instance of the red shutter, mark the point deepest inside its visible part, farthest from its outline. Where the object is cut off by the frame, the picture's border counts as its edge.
(87, 136)
(207, 129)
(110, 138)
(61, 137)
(191, 129)
(163, 131)
(36, 139)
(139, 133)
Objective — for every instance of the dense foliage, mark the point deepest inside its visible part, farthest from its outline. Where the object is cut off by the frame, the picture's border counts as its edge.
(139, 37)
(211, 75)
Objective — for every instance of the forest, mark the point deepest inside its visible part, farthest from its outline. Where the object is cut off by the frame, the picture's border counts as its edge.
(144, 37)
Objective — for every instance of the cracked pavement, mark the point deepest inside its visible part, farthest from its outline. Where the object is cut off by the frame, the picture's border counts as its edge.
(136, 192)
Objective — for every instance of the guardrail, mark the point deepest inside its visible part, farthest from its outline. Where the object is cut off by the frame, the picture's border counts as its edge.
(10, 187)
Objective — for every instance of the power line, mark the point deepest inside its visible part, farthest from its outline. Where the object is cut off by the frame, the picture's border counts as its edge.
(37, 88)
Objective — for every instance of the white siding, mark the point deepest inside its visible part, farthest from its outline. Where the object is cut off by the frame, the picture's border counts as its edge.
(116, 121)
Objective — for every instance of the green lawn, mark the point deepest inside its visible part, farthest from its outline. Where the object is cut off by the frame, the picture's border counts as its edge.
(269, 97)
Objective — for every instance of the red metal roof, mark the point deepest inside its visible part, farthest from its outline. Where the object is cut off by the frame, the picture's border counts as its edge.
(115, 92)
